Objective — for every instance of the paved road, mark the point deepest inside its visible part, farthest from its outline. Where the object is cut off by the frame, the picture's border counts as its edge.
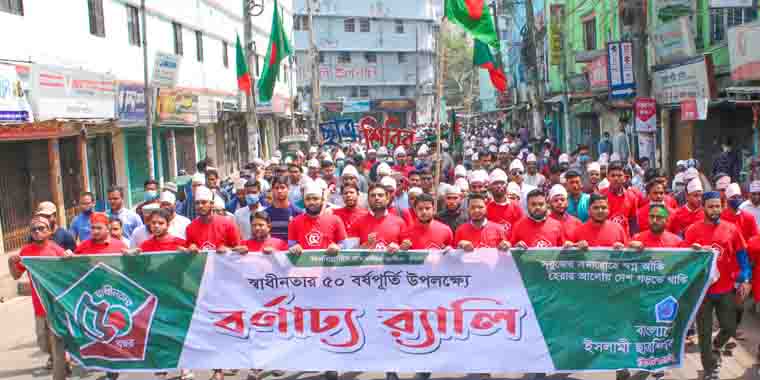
(20, 359)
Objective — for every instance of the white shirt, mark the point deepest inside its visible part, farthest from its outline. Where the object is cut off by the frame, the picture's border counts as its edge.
(243, 221)
(139, 235)
(177, 228)
(536, 180)
(752, 209)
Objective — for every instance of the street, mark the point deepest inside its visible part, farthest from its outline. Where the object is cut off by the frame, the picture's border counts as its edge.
(23, 361)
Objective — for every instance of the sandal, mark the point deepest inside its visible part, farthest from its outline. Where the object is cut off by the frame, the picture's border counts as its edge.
(217, 375)
(49, 364)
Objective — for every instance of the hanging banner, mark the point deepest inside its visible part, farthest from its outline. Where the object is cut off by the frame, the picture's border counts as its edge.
(14, 104)
(597, 73)
(684, 80)
(694, 109)
(61, 93)
(370, 311)
(338, 131)
(645, 110)
(647, 144)
(743, 53)
(389, 134)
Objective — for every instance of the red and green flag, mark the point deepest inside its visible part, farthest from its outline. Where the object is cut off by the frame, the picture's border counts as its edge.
(475, 17)
(482, 57)
(279, 48)
(243, 75)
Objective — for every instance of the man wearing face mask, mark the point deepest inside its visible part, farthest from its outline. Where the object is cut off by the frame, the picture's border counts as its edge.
(150, 196)
(732, 214)
(537, 229)
(253, 202)
(80, 226)
(752, 205)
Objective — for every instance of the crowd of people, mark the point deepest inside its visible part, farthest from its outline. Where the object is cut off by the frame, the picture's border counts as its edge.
(501, 191)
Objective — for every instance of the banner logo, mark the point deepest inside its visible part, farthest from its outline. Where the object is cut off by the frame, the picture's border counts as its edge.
(666, 310)
(112, 315)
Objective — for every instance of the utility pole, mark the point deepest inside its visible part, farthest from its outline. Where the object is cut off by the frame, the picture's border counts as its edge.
(148, 96)
(314, 53)
(536, 103)
(252, 119)
(439, 102)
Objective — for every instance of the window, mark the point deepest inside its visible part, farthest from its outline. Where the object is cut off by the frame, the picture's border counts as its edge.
(97, 23)
(178, 48)
(300, 22)
(354, 92)
(321, 57)
(344, 57)
(225, 57)
(364, 92)
(349, 25)
(589, 34)
(370, 57)
(199, 45)
(402, 91)
(133, 25)
(364, 25)
(723, 18)
(399, 26)
(402, 58)
(12, 6)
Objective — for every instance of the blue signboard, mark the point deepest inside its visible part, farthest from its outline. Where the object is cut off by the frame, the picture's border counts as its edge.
(131, 103)
(620, 69)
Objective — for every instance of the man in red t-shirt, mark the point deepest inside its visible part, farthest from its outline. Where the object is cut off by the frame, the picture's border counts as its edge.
(100, 240)
(160, 239)
(726, 241)
(314, 229)
(599, 231)
(558, 210)
(261, 236)
(537, 229)
(655, 195)
(426, 233)
(209, 231)
(378, 229)
(689, 213)
(744, 220)
(501, 210)
(655, 236)
(350, 212)
(479, 232)
(42, 245)
(622, 203)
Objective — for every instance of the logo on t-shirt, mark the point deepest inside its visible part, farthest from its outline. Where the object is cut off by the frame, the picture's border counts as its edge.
(542, 243)
(208, 246)
(381, 245)
(618, 219)
(314, 238)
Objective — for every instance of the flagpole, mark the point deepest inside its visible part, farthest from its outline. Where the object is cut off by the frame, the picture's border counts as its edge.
(148, 91)
(252, 119)
(437, 111)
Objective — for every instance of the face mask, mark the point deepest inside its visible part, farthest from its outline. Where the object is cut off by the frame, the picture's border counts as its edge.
(340, 163)
(252, 199)
(151, 195)
(735, 203)
(584, 158)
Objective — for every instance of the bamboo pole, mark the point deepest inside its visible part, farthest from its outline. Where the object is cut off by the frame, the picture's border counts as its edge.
(437, 114)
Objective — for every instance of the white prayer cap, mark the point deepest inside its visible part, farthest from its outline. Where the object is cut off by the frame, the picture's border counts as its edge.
(604, 159)
(151, 206)
(462, 184)
(516, 165)
(468, 152)
(277, 153)
(722, 182)
(475, 156)
(199, 178)
(614, 157)
(564, 158)
(313, 150)
(168, 197)
(504, 148)
(460, 171)
(274, 161)
(371, 150)
(479, 176)
(492, 140)
(681, 163)
(603, 184)
(493, 149)
(218, 203)
(313, 163)
(350, 171)
(452, 189)
(444, 145)
(694, 186)
(299, 153)
(754, 187)
(690, 174)
(557, 190)
(383, 169)
(312, 188)
(388, 182)
(240, 184)
(382, 151)
(288, 160)
(498, 175)
(340, 155)
(679, 178)
(203, 193)
(513, 188)
(414, 191)
(424, 150)
(531, 158)
(400, 151)
(733, 190)
(594, 167)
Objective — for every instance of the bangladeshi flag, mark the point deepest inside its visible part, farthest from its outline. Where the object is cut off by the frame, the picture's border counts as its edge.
(482, 57)
(475, 17)
(243, 75)
(279, 48)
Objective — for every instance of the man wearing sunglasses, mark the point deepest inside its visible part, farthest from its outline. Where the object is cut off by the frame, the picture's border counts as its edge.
(517, 175)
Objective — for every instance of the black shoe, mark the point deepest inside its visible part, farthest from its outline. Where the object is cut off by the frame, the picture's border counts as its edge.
(112, 375)
(622, 374)
(331, 375)
(422, 376)
(391, 376)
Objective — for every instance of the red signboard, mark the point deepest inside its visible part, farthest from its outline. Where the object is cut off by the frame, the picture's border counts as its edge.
(597, 73)
(689, 110)
(645, 110)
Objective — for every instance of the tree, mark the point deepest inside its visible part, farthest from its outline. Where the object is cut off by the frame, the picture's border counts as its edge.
(460, 79)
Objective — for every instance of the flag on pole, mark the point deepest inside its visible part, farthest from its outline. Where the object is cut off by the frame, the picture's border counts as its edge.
(481, 56)
(243, 75)
(475, 17)
(279, 48)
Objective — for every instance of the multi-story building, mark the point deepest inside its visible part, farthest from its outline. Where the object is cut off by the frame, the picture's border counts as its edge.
(375, 57)
(79, 65)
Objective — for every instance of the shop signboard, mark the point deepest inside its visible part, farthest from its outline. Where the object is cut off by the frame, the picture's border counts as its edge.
(208, 110)
(130, 105)
(177, 107)
(622, 81)
(733, 4)
(665, 9)
(645, 110)
(689, 79)
(743, 54)
(14, 104)
(597, 73)
(673, 41)
(61, 93)
(356, 106)
(396, 105)
(165, 70)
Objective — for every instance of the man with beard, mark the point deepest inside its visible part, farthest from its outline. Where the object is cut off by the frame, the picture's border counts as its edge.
(479, 232)
(415, 179)
(594, 172)
(378, 229)
(533, 177)
(261, 240)
(726, 241)
(312, 169)
(453, 214)
(80, 226)
(282, 211)
(622, 203)
(655, 235)
(504, 157)
(209, 231)
(314, 229)
(350, 176)
(350, 212)
(61, 236)
(558, 210)
(100, 240)
(536, 229)
(177, 223)
(516, 175)
(501, 210)
(426, 233)
(689, 213)
(426, 182)
(655, 196)
(577, 200)
(599, 231)
(479, 182)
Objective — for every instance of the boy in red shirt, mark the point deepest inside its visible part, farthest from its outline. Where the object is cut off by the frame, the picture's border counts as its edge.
(501, 210)
(209, 231)
(426, 233)
(261, 240)
(536, 229)
(377, 229)
(100, 240)
(742, 219)
(160, 239)
(42, 245)
(599, 231)
(479, 231)
(350, 212)
(622, 204)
